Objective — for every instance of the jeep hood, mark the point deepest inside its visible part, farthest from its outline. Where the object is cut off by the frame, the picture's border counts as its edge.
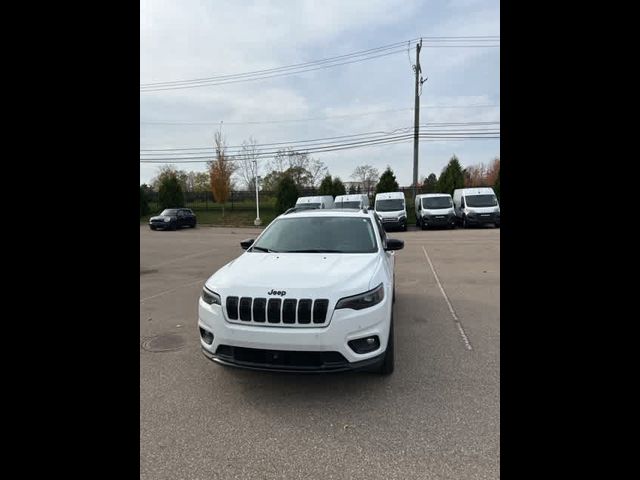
(298, 274)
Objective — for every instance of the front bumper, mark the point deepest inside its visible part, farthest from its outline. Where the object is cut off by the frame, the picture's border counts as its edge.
(287, 362)
(161, 225)
(394, 223)
(235, 343)
(483, 218)
(439, 220)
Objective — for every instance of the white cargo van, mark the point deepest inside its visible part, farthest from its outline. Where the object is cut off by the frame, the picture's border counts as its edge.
(324, 201)
(351, 201)
(434, 210)
(476, 206)
(391, 209)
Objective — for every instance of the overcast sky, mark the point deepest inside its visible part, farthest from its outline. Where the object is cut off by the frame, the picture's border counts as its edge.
(189, 39)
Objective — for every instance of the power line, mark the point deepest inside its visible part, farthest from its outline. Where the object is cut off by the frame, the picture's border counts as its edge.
(182, 160)
(437, 126)
(491, 38)
(390, 49)
(317, 144)
(277, 69)
(326, 148)
(265, 76)
(350, 115)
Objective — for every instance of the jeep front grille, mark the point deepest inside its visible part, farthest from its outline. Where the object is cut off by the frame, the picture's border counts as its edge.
(278, 312)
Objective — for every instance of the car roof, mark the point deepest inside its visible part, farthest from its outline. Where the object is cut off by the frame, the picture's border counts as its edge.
(425, 195)
(312, 199)
(389, 195)
(476, 190)
(350, 196)
(329, 212)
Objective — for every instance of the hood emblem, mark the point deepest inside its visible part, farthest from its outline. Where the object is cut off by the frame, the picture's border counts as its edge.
(282, 293)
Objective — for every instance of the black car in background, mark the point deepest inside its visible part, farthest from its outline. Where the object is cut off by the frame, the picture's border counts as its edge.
(172, 219)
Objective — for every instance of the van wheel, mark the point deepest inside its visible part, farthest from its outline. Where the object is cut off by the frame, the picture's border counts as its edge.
(464, 222)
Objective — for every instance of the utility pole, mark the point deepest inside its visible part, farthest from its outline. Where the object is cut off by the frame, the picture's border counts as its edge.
(416, 120)
(257, 221)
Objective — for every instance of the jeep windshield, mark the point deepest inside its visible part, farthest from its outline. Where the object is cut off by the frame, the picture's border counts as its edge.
(481, 200)
(318, 235)
(169, 212)
(353, 204)
(434, 203)
(390, 205)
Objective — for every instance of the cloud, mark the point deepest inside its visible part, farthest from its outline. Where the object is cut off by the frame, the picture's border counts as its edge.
(194, 39)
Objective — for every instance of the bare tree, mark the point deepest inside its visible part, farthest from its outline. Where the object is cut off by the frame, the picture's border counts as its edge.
(317, 171)
(492, 171)
(247, 168)
(367, 176)
(309, 171)
(481, 175)
(280, 162)
(221, 170)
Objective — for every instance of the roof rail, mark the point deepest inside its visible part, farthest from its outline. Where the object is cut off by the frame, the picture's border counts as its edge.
(298, 209)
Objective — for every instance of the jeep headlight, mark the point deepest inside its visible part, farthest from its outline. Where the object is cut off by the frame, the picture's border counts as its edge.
(210, 297)
(167, 219)
(363, 300)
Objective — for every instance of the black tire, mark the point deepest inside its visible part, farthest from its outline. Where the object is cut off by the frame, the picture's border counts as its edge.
(152, 227)
(464, 221)
(422, 225)
(174, 227)
(386, 368)
(404, 227)
(193, 225)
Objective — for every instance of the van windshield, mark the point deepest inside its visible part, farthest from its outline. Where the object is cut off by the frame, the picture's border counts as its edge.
(390, 205)
(434, 203)
(481, 200)
(350, 204)
(307, 206)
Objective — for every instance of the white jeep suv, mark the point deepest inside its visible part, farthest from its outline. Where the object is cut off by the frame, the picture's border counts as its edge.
(313, 293)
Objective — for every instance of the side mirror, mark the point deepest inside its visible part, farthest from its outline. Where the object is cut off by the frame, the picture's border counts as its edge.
(247, 243)
(394, 244)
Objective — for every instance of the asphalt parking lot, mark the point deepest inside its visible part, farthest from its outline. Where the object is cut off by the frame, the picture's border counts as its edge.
(437, 416)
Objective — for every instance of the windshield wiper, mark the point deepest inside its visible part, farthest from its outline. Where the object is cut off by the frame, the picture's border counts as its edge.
(313, 251)
(261, 249)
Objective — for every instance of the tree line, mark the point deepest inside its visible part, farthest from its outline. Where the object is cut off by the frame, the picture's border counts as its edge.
(291, 172)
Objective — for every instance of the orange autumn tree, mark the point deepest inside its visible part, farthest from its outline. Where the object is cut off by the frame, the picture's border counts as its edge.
(481, 175)
(221, 169)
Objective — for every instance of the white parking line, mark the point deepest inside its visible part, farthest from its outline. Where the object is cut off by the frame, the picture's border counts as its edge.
(465, 339)
(142, 300)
